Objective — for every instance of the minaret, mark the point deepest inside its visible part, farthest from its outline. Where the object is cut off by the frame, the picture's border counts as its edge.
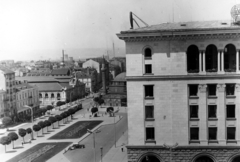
(103, 78)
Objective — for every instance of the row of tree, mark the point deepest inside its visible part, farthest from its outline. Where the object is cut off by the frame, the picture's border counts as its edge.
(13, 136)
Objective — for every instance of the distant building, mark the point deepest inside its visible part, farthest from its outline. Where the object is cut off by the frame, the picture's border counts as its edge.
(61, 72)
(117, 92)
(51, 89)
(3, 103)
(26, 96)
(7, 84)
(88, 76)
(21, 72)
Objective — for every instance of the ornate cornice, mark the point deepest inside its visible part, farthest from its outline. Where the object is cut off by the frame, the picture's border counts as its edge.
(179, 37)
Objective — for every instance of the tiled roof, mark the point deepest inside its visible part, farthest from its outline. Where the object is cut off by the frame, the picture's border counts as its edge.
(5, 70)
(49, 87)
(37, 79)
(62, 71)
(181, 26)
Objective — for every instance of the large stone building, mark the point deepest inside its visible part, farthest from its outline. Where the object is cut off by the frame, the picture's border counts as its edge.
(183, 92)
(3, 104)
(7, 84)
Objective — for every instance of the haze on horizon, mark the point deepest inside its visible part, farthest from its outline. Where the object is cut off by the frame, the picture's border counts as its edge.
(40, 29)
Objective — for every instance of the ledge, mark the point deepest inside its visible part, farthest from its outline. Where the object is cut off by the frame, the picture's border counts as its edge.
(194, 119)
(150, 141)
(182, 147)
(148, 74)
(231, 119)
(230, 96)
(212, 97)
(193, 97)
(232, 141)
(212, 119)
(149, 98)
(194, 141)
(149, 119)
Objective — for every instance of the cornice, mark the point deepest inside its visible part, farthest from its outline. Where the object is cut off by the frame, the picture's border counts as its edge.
(180, 147)
(181, 77)
(157, 37)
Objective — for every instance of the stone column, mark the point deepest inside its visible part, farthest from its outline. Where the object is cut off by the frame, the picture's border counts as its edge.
(218, 70)
(204, 62)
(237, 107)
(221, 114)
(202, 114)
(222, 60)
(200, 62)
(237, 62)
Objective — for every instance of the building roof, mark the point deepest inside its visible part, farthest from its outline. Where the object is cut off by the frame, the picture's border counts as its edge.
(182, 26)
(37, 79)
(61, 71)
(80, 74)
(49, 87)
(120, 77)
(6, 70)
(23, 86)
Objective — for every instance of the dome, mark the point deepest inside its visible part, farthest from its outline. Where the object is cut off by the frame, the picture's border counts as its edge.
(120, 77)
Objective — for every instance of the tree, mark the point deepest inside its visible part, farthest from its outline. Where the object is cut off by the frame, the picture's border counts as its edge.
(7, 121)
(49, 107)
(5, 140)
(13, 137)
(71, 111)
(62, 116)
(44, 110)
(94, 110)
(42, 125)
(47, 123)
(59, 118)
(52, 120)
(36, 128)
(22, 132)
(29, 131)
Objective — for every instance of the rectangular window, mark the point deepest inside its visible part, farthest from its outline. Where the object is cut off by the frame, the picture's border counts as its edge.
(149, 112)
(231, 133)
(194, 133)
(193, 90)
(212, 133)
(193, 111)
(148, 68)
(230, 111)
(150, 133)
(212, 111)
(212, 90)
(230, 88)
(148, 90)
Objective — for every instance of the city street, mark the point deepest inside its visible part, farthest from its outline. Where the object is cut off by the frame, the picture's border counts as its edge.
(105, 139)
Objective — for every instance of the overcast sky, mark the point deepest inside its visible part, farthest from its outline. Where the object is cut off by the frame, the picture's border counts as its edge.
(39, 29)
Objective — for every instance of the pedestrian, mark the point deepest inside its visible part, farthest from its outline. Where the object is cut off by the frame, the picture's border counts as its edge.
(122, 149)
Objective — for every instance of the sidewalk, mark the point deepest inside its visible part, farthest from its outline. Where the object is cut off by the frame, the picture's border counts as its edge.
(116, 154)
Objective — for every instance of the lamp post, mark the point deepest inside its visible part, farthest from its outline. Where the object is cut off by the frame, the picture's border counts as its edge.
(101, 153)
(170, 148)
(93, 132)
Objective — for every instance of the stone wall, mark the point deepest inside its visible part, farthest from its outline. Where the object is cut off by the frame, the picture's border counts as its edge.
(183, 154)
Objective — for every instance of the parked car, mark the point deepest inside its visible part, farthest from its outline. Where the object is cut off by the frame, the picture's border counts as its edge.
(76, 146)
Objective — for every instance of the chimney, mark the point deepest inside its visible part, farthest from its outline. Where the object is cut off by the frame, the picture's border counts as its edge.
(63, 56)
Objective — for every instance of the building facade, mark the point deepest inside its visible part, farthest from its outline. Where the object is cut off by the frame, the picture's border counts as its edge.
(3, 105)
(7, 84)
(26, 96)
(183, 92)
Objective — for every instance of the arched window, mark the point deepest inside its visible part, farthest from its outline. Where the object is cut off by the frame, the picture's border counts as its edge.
(52, 95)
(193, 59)
(148, 53)
(204, 159)
(211, 58)
(46, 95)
(150, 158)
(230, 58)
(236, 159)
(40, 95)
(58, 95)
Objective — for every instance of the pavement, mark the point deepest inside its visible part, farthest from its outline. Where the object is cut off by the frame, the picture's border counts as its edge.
(115, 154)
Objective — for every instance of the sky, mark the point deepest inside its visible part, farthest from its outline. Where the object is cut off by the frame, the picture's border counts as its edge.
(40, 29)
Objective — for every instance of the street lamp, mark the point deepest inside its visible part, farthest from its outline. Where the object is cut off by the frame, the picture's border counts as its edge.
(101, 153)
(92, 132)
